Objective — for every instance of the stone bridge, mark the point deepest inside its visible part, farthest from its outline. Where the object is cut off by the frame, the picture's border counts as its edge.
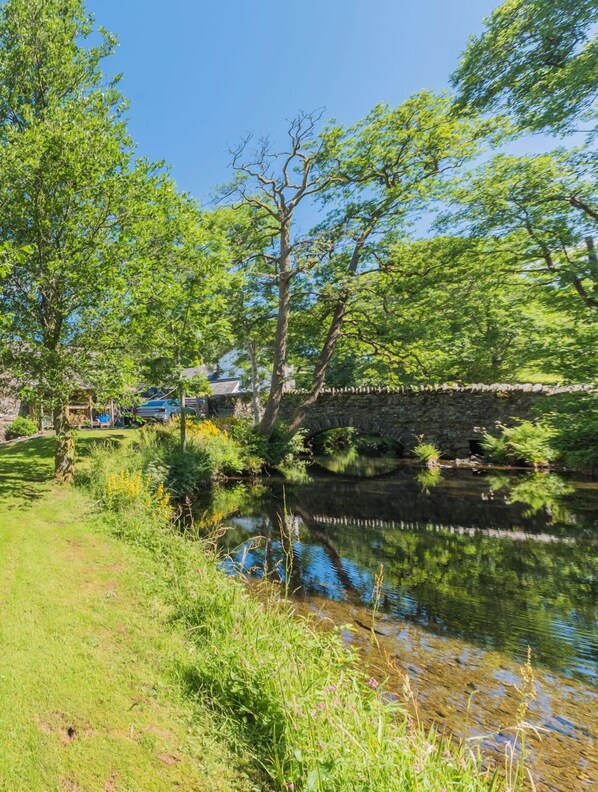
(449, 416)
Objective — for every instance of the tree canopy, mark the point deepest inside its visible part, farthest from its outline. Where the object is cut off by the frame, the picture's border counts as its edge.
(409, 246)
(538, 61)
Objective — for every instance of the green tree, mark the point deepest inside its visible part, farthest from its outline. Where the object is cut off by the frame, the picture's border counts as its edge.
(382, 172)
(540, 210)
(443, 310)
(178, 315)
(536, 59)
(369, 181)
(68, 187)
(277, 184)
(251, 297)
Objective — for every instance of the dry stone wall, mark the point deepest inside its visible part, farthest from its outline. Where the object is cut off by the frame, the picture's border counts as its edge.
(451, 417)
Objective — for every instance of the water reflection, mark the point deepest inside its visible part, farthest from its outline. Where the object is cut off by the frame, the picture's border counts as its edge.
(502, 562)
(351, 464)
(476, 568)
(428, 479)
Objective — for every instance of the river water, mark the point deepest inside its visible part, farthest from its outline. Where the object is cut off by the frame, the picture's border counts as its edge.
(473, 566)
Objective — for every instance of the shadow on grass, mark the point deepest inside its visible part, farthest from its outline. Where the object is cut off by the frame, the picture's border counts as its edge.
(85, 444)
(27, 468)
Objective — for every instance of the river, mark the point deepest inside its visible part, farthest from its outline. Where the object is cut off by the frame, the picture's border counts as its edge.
(465, 569)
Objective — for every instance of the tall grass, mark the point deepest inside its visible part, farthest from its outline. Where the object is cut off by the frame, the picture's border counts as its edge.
(293, 694)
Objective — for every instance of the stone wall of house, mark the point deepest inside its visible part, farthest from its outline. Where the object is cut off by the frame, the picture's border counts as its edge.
(451, 417)
(10, 408)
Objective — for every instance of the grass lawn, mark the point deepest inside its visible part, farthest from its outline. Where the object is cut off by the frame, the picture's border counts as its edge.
(89, 700)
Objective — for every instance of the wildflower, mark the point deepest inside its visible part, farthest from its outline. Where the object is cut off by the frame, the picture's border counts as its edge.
(291, 786)
(331, 689)
(373, 683)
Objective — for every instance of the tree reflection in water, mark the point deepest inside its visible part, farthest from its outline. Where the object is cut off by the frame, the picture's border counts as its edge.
(500, 561)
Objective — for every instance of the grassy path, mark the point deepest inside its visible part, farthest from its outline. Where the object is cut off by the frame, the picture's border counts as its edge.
(88, 698)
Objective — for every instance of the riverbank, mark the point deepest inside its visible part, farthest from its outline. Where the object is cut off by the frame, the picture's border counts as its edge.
(90, 693)
(292, 694)
(132, 662)
(476, 568)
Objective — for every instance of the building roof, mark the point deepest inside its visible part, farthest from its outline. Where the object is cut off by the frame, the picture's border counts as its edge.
(194, 371)
(225, 386)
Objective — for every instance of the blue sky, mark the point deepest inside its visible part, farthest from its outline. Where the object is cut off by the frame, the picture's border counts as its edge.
(202, 74)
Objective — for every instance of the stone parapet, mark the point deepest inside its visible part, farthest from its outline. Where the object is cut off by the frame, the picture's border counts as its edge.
(450, 416)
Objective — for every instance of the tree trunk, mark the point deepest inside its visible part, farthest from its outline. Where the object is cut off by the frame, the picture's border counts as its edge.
(255, 382)
(576, 282)
(333, 336)
(183, 419)
(64, 455)
(282, 334)
(593, 260)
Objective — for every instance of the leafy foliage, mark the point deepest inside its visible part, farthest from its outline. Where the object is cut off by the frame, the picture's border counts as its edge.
(575, 426)
(280, 449)
(427, 453)
(566, 431)
(209, 454)
(21, 427)
(495, 447)
(527, 441)
(537, 59)
(70, 185)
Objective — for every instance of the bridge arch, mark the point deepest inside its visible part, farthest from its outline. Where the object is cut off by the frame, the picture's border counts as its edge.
(368, 424)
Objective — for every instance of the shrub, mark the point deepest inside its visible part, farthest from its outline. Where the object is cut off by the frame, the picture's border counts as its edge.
(427, 453)
(345, 439)
(375, 445)
(211, 453)
(575, 425)
(566, 430)
(335, 441)
(278, 450)
(531, 442)
(528, 441)
(139, 505)
(21, 427)
(185, 470)
(246, 434)
(495, 448)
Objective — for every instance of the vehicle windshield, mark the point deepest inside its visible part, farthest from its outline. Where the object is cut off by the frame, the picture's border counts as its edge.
(154, 403)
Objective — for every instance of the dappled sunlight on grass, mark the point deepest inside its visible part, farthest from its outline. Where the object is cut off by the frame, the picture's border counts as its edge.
(27, 467)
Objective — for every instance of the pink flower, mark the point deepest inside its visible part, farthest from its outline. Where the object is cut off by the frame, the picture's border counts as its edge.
(291, 786)
(373, 683)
